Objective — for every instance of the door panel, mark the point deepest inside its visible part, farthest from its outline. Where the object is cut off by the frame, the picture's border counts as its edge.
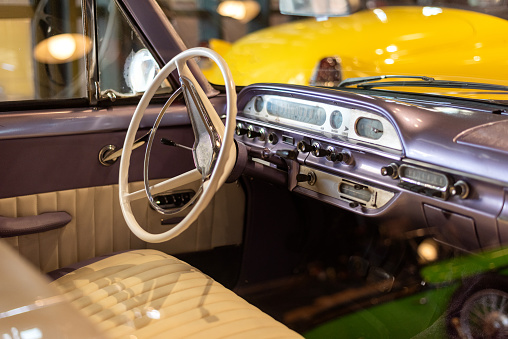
(43, 172)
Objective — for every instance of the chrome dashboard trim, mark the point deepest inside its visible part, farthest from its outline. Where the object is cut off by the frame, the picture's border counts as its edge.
(377, 150)
(420, 182)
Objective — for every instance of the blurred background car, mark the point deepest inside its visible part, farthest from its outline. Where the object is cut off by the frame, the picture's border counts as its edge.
(386, 40)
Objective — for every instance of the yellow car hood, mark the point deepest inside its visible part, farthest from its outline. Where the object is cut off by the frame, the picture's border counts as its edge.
(443, 43)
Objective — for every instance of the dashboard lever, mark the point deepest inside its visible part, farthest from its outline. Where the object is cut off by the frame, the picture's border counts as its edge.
(168, 142)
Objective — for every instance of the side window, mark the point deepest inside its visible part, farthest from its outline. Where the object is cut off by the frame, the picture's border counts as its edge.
(42, 50)
(45, 53)
(126, 67)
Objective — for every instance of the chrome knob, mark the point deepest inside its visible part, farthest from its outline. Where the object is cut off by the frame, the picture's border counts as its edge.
(460, 189)
(241, 131)
(391, 170)
(272, 138)
(304, 147)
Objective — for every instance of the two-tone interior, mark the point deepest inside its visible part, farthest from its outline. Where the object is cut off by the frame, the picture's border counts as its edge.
(319, 207)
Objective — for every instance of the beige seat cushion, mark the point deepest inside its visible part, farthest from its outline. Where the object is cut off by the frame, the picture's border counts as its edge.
(149, 294)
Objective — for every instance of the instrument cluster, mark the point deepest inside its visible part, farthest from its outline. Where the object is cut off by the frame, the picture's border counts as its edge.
(327, 119)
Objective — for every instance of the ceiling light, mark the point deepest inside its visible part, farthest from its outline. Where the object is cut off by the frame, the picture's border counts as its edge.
(62, 48)
(243, 11)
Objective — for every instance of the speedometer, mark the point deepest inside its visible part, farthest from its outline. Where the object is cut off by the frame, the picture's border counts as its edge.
(313, 115)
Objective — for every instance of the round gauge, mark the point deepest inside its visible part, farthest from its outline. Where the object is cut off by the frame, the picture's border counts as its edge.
(259, 104)
(369, 128)
(336, 119)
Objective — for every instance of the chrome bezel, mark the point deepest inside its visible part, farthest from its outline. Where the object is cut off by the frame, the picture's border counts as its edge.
(404, 178)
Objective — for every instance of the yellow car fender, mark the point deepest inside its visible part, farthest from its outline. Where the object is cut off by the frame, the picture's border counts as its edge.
(407, 40)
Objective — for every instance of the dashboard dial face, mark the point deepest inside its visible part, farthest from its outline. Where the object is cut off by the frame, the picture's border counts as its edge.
(336, 119)
(329, 119)
(313, 115)
(259, 104)
(369, 128)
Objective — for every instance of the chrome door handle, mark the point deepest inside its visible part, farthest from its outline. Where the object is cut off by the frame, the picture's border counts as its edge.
(108, 155)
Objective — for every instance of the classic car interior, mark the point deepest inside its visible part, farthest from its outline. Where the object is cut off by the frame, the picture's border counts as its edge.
(261, 211)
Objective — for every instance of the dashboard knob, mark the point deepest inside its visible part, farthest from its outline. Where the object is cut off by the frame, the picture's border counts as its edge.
(341, 157)
(251, 133)
(310, 178)
(272, 138)
(391, 170)
(304, 147)
(460, 189)
(321, 152)
(354, 204)
(241, 131)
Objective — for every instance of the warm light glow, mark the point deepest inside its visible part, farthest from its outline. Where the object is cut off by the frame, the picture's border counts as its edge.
(243, 11)
(427, 250)
(379, 51)
(62, 48)
(389, 61)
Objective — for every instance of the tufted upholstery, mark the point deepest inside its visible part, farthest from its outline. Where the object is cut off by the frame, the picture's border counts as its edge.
(149, 294)
(98, 227)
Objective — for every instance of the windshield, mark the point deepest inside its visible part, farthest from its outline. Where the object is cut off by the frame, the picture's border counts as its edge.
(445, 40)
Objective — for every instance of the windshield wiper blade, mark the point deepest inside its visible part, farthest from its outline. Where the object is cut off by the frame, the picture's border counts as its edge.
(366, 83)
(437, 84)
(361, 80)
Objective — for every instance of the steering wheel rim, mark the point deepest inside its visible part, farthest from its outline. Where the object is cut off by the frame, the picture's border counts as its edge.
(225, 159)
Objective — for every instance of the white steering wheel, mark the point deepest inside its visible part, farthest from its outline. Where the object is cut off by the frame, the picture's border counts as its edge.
(214, 151)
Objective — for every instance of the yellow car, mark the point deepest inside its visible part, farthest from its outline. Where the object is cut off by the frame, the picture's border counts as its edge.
(390, 40)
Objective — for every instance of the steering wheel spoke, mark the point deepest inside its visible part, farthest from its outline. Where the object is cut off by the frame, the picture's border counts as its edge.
(208, 140)
(167, 185)
(214, 152)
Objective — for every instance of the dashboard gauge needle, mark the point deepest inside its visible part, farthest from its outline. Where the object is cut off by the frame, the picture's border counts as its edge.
(172, 143)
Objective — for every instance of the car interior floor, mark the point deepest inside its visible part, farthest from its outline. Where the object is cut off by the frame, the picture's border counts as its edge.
(305, 262)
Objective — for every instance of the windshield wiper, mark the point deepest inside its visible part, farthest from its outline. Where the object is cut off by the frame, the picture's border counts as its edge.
(361, 80)
(366, 83)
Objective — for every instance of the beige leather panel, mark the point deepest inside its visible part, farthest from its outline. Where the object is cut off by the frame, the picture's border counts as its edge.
(148, 294)
(98, 227)
(30, 308)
